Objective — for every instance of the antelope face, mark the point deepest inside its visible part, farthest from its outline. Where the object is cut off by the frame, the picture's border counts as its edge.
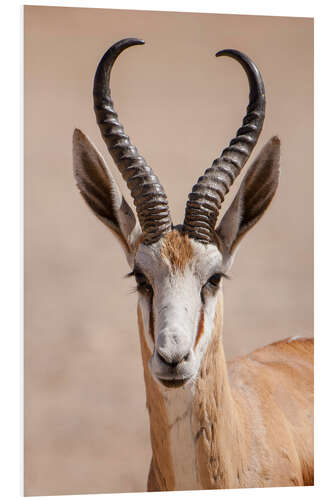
(178, 282)
(179, 271)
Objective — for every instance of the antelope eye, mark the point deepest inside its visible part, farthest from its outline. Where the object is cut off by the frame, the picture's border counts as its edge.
(143, 283)
(215, 279)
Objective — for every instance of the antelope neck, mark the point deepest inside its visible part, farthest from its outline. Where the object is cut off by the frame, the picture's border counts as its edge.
(194, 429)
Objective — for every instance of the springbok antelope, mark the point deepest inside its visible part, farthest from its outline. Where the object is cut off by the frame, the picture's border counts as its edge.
(213, 424)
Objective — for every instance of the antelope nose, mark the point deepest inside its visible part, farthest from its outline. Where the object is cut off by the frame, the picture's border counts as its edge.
(172, 358)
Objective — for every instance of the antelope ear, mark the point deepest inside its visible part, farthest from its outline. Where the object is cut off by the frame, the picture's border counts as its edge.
(254, 195)
(101, 192)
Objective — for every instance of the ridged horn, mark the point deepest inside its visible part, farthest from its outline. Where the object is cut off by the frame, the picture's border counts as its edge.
(204, 202)
(149, 197)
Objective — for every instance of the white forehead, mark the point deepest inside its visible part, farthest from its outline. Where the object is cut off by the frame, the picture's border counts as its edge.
(194, 257)
(207, 258)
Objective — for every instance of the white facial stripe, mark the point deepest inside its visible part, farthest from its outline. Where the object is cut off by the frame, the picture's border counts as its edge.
(176, 308)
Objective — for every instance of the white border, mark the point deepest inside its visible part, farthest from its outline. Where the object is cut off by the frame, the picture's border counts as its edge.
(285, 8)
(12, 234)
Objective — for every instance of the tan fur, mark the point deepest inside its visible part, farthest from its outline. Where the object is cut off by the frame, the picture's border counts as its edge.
(252, 419)
(176, 250)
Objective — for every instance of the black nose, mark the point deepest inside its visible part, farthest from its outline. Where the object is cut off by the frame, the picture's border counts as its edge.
(172, 360)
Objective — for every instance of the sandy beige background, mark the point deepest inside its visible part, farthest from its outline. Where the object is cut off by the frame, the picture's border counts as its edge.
(86, 428)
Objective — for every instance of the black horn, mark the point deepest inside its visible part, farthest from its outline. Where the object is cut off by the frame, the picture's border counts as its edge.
(204, 202)
(148, 194)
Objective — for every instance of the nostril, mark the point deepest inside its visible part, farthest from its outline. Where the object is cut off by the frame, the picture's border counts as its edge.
(165, 359)
(174, 360)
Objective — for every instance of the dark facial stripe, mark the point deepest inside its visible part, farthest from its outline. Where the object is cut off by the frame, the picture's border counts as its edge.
(201, 325)
(151, 322)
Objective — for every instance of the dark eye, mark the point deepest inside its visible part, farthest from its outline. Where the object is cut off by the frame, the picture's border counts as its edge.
(214, 280)
(143, 283)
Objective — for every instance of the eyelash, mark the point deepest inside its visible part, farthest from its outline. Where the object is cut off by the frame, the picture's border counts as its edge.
(212, 284)
(215, 280)
(142, 284)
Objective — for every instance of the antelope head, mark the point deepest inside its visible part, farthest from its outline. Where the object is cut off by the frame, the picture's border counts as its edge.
(180, 269)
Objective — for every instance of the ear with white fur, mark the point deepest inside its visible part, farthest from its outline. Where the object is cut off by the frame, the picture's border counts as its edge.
(254, 195)
(100, 190)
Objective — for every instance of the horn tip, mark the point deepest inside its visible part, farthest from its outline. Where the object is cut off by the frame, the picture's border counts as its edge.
(226, 52)
(137, 41)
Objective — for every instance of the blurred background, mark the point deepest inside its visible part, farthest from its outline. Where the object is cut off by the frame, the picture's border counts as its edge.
(86, 426)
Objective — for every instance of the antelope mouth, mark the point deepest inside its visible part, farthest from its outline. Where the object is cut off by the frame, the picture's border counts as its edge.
(173, 383)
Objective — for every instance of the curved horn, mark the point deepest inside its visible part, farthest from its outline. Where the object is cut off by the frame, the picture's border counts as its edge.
(148, 194)
(204, 202)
